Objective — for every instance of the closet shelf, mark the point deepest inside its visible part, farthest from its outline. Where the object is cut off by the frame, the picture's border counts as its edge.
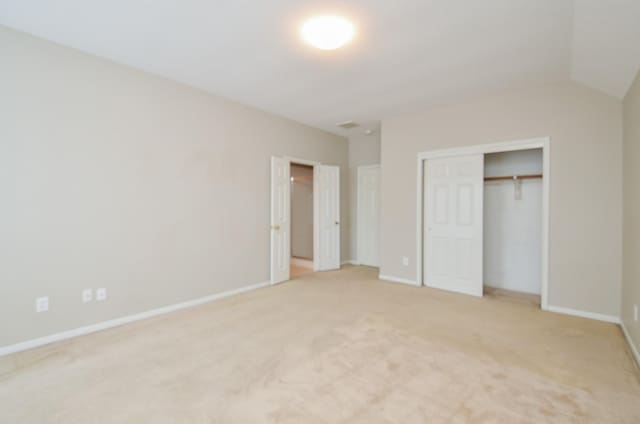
(513, 177)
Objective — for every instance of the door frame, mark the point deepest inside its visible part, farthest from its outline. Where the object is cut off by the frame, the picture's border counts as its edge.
(316, 206)
(543, 143)
(358, 207)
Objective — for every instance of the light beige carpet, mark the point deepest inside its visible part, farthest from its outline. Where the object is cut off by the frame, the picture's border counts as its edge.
(337, 347)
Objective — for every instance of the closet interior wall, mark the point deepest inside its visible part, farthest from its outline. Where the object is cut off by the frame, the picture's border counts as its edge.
(512, 258)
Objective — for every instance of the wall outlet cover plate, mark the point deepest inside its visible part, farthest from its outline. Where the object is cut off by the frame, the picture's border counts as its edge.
(42, 304)
(101, 294)
(87, 295)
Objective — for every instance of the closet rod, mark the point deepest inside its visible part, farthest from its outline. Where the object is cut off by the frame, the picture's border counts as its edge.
(514, 177)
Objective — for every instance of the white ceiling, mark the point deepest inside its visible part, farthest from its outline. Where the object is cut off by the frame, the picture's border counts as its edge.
(606, 44)
(408, 54)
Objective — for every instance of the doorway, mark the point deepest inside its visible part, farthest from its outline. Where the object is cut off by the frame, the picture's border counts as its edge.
(326, 217)
(482, 218)
(301, 219)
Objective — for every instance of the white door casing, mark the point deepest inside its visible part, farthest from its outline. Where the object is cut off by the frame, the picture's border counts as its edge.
(368, 215)
(453, 223)
(327, 236)
(280, 220)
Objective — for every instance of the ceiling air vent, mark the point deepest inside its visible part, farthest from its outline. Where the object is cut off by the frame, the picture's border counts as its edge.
(347, 124)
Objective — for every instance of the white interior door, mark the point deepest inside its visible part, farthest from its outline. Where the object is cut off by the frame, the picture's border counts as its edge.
(453, 223)
(368, 214)
(280, 220)
(327, 235)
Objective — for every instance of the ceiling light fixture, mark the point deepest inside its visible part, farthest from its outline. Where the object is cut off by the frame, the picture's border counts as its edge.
(327, 32)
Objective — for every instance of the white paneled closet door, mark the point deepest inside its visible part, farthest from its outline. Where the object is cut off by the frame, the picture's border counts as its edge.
(453, 223)
(327, 237)
(368, 215)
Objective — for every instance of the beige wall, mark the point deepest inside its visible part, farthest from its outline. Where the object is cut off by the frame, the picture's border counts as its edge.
(363, 150)
(585, 128)
(631, 272)
(115, 178)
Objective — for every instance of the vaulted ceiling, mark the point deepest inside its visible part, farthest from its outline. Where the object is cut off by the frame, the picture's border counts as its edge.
(408, 54)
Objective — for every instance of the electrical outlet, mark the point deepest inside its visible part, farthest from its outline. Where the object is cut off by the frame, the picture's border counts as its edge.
(405, 261)
(101, 294)
(42, 304)
(87, 295)
(635, 312)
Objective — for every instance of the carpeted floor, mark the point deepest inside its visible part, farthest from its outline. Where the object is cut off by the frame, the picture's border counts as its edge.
(336, 347)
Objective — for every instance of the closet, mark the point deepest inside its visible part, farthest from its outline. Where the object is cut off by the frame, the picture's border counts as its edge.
(512, 242)
(483, 222)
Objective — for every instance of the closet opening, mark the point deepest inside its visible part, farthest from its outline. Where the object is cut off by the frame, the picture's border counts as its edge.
(301, 219)
(512, 225)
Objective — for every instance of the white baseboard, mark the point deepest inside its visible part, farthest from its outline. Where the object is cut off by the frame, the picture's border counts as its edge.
(583, 314)
(305, 263)
(349, 262)
(398, 280)
(41, 341)
(632, 346)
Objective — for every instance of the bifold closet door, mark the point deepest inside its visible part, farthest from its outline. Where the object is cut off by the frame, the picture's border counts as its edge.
(454, 223)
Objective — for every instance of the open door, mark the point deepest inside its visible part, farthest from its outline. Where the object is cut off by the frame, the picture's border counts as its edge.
(453, 223)
(280, 220)
(327, 234)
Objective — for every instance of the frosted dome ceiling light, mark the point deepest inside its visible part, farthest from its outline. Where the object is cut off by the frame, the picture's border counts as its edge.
(327, 32)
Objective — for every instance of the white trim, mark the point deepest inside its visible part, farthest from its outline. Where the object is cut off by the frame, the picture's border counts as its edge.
(632, 346)
(358, 257)
(583, 314)
(508, 146)
(546, 190)
(349, 262)
(535, 143)
(398, 280)
(41, 341)
(301, 161)
(304, 263)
